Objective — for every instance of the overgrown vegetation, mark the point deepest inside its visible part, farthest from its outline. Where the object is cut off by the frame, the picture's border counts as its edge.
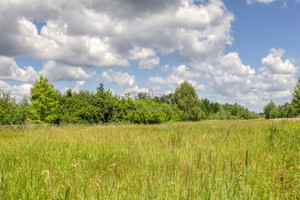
(234, 159)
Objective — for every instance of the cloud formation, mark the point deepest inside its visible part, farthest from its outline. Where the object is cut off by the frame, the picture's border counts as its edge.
(176, 76)
(276, 65)
(71, 36)
(17, 91)
(9, 70)
(119, 78)
(241, 83)
(105, 33)
(59, 72)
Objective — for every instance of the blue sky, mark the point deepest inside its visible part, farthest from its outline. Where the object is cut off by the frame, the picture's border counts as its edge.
(243, 51)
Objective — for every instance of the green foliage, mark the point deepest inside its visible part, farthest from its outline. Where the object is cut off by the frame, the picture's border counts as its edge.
(150, 112)
(274, 113)
(185, 98)
(8, 109)
(24, 110)
(142, 95)
(104, 103)
(287, 110)
(11, 112)
(85, 107)
(209, 108)
(44, 103)
(77, 108)
(296, 97)
(122, 109)
(268, 109)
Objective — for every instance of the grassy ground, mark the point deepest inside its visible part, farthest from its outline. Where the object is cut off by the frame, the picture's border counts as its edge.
(256, 159)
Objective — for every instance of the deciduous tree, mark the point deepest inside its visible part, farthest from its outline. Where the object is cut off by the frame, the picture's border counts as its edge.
(44, 102)
(186, 99)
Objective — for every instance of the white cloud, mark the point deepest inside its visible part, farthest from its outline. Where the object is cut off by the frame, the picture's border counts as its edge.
(150, 63)
(58, 72)
(260, 1)
(176, 76)
(198, 87)
(232, 64)
(9, 70)
(17, 91)
(240, 83)
(110, 33)
(135, 90)
(276, 65)
(119, 78)
(157, 80)
(78, 85)
(138, 53)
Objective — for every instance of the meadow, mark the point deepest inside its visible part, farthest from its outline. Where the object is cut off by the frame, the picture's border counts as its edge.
(230, 159)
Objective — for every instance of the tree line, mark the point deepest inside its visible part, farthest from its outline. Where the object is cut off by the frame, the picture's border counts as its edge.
(45, 105)
(287, 110)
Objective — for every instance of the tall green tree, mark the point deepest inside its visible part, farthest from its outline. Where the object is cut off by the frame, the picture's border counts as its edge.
(268, 109)
(185, 98)
(44, 101)
(296, 96)
(104, 103)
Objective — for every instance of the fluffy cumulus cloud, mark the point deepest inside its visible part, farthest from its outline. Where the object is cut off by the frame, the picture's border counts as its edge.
(17, 91)
(276, 65)
(238, 82)
(231, 77)
(149, 63)
(58, 72)
(110, 33)
(119, 78)
(177, 75)
(135, 90)
(75, 35)
(277, 75)
(9, 70)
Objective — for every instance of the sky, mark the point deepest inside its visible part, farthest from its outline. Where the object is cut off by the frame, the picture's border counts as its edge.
(235, 51)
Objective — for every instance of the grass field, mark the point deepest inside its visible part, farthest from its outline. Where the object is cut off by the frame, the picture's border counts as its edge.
(256, 159)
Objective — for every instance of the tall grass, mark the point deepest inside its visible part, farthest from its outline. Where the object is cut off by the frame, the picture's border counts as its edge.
(256, 159)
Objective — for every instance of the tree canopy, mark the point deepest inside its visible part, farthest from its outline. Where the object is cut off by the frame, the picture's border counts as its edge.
(44, 102)
(185, 98)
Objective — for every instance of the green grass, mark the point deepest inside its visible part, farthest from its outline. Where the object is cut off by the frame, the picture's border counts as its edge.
(257, 159)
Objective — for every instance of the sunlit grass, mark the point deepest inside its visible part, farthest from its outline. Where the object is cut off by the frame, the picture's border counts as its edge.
(255, 159)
